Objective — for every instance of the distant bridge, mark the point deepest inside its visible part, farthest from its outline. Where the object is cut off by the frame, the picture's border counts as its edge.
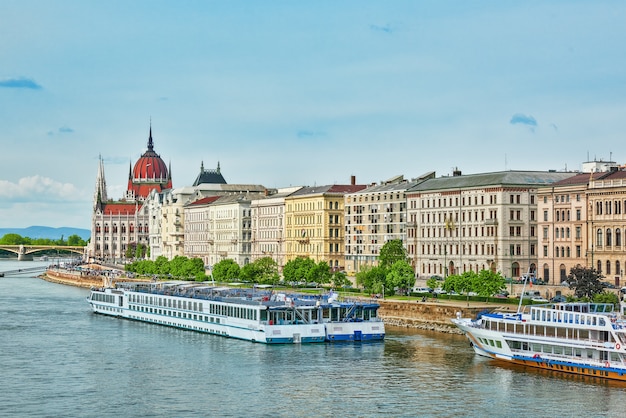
(25, 252)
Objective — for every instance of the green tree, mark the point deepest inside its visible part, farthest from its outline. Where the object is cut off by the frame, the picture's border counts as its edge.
(75, 241)
(319, 273)
(606, 297)
(400, 276)
(391, 252)
(585, 282)
(372, 279)
(488, 283)
(162, 265)
(297, 270)
(13, 239)
(340, 279)
(432, 283)
(226, 270)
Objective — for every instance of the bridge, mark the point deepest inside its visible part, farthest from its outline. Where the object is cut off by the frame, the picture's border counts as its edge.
(25, 252)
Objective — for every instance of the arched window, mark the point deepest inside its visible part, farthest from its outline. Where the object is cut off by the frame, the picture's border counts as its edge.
(556, 252)
(618, 269)
(608, 267)
(568, 252)
(609, 237)
(599, 266)
(599, 238)
(556, 232)
(618, 237)
(546, 273)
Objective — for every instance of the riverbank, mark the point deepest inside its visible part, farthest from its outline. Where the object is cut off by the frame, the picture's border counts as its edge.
(72, 278)
(434, 315)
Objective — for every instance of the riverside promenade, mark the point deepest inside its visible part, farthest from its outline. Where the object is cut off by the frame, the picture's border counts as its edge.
(433, 314)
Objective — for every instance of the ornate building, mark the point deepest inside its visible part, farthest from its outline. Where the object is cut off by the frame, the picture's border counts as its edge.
(474, 222)
(116, 225)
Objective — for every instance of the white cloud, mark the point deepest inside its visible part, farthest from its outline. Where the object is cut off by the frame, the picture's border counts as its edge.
(37, 188)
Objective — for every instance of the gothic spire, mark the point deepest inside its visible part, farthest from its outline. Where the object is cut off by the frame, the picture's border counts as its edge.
(150, 144)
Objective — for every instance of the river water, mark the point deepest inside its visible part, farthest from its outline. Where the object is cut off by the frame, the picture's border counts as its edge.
(57, 359)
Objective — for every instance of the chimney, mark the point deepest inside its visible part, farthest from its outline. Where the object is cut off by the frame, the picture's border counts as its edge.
(352, 180)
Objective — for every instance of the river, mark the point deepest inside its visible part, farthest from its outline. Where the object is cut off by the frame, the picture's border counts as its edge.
(58, 359)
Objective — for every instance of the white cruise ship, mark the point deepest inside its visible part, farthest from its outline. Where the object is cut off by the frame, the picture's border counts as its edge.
(248, 314)
(578, 338)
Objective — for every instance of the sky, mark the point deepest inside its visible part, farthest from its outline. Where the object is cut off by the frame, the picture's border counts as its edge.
(285, 93)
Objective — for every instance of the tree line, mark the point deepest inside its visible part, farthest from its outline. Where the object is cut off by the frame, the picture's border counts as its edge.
(16, 239)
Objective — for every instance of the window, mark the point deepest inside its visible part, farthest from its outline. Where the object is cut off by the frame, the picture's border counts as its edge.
(578, 214)
(545, 216)
(545, 250)
(599, 238)
(609, 237)
(618, 237)
(608, 267)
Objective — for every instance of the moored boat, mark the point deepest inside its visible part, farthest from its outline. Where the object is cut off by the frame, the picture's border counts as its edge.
(577, 337)
(249, 314)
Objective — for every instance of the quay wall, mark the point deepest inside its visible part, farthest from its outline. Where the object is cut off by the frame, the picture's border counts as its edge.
(434, 316)
(72, 279)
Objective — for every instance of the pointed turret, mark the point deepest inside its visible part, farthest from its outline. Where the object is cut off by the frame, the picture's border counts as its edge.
(100, 194)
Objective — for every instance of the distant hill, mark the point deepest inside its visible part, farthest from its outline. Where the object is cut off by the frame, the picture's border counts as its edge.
(35, 232)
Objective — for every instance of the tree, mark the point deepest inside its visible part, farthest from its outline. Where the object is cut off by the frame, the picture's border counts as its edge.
(75, 241)
(489, 283)
(585, 282)
(226, 270)
(14, 239)
(297, 270)
(400, 276)
(372, 279)
(340, 279)
(391, 252)
(319, 273)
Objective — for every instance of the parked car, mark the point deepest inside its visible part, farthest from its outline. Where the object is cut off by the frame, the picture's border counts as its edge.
(501, 296)
(422, 290)
(539, 299)
(439, 291)
(558, 299)
(608, 285)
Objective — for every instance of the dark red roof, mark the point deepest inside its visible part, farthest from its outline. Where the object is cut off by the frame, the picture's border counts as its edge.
(205, 200)
(120, 208)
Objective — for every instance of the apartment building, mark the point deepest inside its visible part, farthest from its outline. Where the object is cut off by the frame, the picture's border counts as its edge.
(374, 216)
(314, 223)
(219, 228)
(607, 221)
(268, 225)
(562, 224)
(473, 222)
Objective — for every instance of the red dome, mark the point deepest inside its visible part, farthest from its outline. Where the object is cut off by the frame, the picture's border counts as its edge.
(150, 167)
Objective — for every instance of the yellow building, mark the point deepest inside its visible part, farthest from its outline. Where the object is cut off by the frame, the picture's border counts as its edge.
(314, 224)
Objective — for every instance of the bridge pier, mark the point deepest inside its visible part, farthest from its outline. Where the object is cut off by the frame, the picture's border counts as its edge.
(22, 256)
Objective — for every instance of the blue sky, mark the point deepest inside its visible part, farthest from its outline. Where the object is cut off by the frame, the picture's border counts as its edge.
(299, 92)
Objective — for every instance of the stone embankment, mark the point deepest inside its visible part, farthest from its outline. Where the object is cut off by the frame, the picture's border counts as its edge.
(72, 278)
(431, 315)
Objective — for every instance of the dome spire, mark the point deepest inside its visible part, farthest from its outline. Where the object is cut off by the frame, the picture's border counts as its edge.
(150, 144)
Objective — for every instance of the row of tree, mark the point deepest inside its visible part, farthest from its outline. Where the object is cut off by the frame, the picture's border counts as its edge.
(265, 271)
(180, 267)
(393, 273)
(16, 239)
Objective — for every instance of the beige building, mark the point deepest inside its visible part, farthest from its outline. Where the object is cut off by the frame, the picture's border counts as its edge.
(268, 225)
(563, 232)
(474, 222)
(374, 216)
(607, 221)
(217, 228)
(314, 223)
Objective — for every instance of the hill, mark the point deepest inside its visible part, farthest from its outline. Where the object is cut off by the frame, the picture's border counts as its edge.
(35, 232)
